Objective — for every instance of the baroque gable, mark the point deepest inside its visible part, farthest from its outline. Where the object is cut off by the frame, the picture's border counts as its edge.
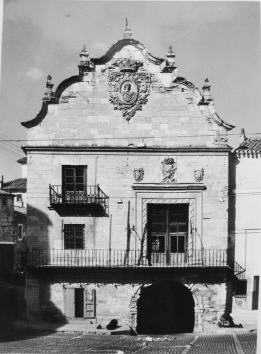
(128, 84)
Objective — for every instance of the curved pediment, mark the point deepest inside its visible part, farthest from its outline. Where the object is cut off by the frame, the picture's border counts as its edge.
(128, 65)
(115, 48)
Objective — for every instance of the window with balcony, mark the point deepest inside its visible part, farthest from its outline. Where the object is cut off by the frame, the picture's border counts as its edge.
(74, 183)
(75, 197)
(74, 236)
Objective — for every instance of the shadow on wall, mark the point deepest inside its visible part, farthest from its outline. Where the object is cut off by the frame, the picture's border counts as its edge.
(39, 304)
(233, 161)
(165, 307)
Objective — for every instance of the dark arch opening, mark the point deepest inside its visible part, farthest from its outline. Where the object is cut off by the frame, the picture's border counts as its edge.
(165, 307)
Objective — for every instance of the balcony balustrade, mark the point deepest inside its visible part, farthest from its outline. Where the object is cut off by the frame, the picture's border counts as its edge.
(89, 196)
(106, 258)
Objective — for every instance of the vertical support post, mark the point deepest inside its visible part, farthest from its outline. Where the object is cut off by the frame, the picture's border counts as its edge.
(110, 240)
(126, 260)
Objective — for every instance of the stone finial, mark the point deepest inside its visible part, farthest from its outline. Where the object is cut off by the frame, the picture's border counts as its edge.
(48, 95)
(128, 32)
(170, 57)
(206, 91)
(168, 65)
(86, 64)
(242, 135)
(84, 55)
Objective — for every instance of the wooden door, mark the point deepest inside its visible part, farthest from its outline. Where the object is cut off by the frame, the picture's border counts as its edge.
(89, 303)
(69, 302)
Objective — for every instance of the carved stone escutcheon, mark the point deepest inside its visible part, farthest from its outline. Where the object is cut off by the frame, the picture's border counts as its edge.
(129, 86)
(199, 175)
(168, 168)
(138, 174)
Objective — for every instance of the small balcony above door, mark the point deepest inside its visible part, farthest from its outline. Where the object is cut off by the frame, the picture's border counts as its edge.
(75, 197)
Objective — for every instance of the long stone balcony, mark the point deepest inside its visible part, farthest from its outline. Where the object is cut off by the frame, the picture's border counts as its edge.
(105, 258)
(91, 200)
(204, 265)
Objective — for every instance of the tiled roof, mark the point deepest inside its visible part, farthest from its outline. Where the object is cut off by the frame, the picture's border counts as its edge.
(16, 185)
(250, 145)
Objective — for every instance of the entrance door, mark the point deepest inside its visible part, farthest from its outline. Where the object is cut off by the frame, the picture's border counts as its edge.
(165, 307)
(167, 232)
(80, 303)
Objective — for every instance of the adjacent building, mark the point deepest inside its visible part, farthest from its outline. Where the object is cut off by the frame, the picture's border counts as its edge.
(6, 234)
(128, 215)
(247, 195)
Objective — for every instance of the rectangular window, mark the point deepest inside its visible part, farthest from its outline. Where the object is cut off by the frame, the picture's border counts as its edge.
(74, 236)
(20, 231)
(74, 178)
(18, 197)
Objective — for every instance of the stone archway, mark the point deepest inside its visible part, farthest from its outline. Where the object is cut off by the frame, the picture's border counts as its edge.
(165, 307)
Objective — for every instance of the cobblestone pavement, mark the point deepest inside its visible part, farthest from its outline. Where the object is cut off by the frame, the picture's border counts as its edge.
(60, 342)
(248, 342)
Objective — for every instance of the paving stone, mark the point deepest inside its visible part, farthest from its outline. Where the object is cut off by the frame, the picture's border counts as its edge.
(214, 345)
(248, 342)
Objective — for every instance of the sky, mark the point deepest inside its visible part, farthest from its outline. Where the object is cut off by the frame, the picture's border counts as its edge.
(218, 40)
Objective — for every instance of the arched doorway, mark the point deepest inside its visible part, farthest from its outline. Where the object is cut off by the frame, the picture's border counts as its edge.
(165, 307)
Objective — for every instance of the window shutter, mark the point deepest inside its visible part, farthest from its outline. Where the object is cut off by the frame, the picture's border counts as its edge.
(69, 302)
(63, 234)
(89, 303)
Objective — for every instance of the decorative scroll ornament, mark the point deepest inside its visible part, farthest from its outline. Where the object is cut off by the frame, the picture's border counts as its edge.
(129, 86)
(220, 139)
(168, 168)
(199, 175)
(138, 174)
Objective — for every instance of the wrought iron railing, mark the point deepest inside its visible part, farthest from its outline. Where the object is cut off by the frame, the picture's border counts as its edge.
(239, 271)
(92, 195)
(125, 259)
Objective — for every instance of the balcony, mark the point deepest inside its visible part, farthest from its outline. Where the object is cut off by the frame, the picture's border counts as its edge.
(105, 258)
(89, 201)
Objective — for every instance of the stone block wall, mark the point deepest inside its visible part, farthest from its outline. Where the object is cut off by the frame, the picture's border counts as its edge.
(114, 174)
(118, 301)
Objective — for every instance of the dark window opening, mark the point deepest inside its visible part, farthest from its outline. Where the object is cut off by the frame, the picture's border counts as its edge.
(74, 236)
(74, 178)
(20, 231)
(255, 293)
(19, 197)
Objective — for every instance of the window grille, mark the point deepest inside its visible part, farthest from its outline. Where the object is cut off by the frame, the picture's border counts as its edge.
(73, 236)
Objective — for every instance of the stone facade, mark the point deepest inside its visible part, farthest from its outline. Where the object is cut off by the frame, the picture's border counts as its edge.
(147, 137)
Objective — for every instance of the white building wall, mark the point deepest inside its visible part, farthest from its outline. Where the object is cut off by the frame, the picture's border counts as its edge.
(248, 218)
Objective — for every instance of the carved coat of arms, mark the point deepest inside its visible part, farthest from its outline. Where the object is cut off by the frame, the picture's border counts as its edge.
(168, 168)
(138, 174)
(129, 86)
(199, 175)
